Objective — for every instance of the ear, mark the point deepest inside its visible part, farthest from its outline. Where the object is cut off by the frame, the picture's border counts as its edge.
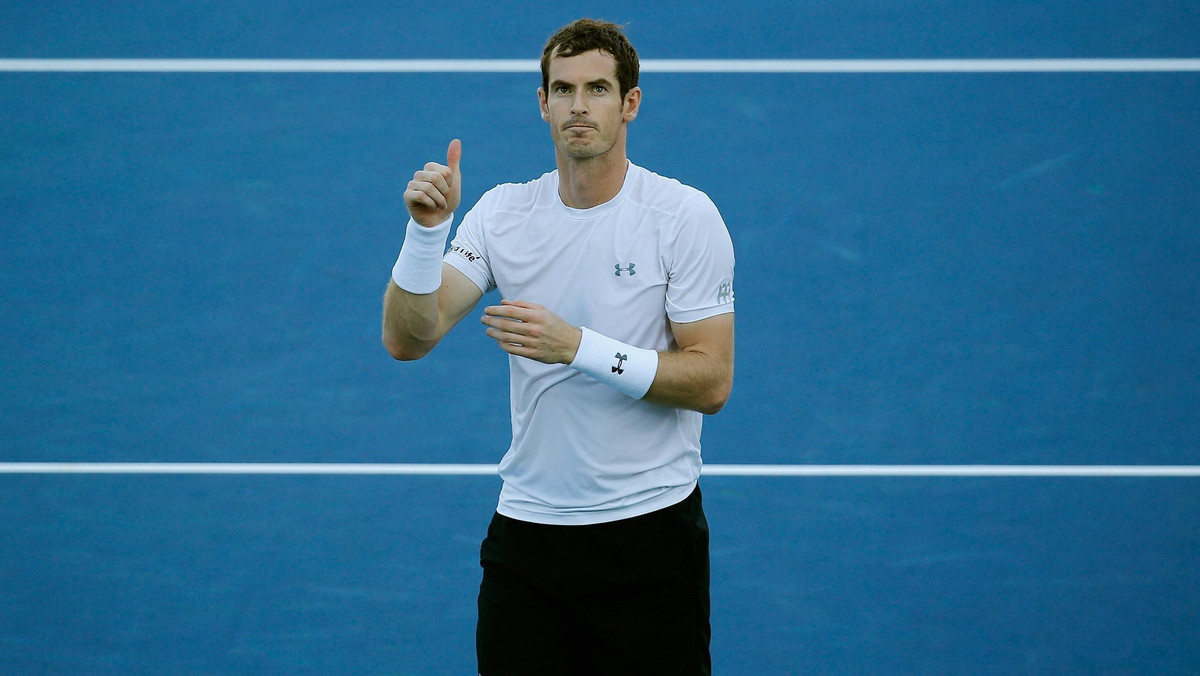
(633, 101)
(542, 104)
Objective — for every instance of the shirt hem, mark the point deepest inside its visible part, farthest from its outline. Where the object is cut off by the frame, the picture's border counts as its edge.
(668, 498)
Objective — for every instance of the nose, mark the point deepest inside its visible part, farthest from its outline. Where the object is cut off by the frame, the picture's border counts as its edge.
(578, 104)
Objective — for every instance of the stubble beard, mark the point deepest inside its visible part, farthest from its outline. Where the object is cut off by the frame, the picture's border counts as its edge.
(583, 146)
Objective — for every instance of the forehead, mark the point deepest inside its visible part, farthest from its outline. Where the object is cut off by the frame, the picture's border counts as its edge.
(584, 67)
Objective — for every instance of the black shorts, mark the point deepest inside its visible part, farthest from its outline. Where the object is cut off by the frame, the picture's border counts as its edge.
(627, 597)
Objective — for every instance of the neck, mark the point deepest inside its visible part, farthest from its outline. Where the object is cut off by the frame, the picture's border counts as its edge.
(587, 182)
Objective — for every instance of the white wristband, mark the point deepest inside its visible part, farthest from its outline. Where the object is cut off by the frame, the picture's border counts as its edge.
(418, 269)
(627, 368)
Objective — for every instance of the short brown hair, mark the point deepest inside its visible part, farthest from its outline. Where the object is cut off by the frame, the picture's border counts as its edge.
(585, 35)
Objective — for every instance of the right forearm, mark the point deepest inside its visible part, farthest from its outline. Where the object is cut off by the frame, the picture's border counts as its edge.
(410, 322)
(410, 306)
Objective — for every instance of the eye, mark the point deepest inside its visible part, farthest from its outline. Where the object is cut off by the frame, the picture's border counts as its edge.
(599, 89)
(562, 89)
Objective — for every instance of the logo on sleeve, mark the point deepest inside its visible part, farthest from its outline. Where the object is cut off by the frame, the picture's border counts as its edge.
(465, 253)
(621, 359)
(725, 293)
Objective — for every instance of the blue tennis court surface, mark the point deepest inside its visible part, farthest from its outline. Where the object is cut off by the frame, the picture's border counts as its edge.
(936, 268)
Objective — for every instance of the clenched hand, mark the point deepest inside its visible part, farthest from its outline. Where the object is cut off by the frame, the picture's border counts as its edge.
(434, 192)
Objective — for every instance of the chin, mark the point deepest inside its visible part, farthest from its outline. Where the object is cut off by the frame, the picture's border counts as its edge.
(582, 151)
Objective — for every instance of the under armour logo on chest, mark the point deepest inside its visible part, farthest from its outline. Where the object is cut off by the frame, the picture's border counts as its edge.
(627, 268)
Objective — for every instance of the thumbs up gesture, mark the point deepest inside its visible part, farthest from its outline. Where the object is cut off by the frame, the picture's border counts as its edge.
(434, 192)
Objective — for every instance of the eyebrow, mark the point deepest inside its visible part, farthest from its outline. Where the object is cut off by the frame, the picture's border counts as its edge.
(602, 81)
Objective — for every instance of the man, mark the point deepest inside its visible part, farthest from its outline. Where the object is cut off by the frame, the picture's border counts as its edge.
(617, 314)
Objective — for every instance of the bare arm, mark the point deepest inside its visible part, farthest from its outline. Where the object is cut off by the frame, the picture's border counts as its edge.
(414, 323)
(697, 376)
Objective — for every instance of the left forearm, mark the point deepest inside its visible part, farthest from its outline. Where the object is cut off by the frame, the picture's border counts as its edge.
(693, 380)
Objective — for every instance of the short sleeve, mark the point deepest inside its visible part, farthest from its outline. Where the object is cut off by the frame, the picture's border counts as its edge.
(701, 262)
(468, 251)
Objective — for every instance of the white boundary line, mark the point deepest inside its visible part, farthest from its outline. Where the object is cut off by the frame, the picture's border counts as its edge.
(648, 65)
(439, 469)
(956, 470)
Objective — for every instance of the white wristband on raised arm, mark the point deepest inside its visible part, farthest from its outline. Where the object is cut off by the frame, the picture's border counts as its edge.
(627, 368)
(418, 269)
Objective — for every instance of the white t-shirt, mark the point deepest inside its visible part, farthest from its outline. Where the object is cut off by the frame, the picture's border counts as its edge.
(581, 451)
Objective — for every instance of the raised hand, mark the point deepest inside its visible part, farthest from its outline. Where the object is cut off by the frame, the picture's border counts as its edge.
(434, 192)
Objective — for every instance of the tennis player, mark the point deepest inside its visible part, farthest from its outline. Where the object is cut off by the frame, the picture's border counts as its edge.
(617, 315)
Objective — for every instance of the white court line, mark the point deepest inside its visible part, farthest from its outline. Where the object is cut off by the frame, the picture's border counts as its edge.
(443, 469)
(956, 470)
(648, 65)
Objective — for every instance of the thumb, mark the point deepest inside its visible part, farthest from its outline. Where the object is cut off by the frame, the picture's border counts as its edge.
(454, 156)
